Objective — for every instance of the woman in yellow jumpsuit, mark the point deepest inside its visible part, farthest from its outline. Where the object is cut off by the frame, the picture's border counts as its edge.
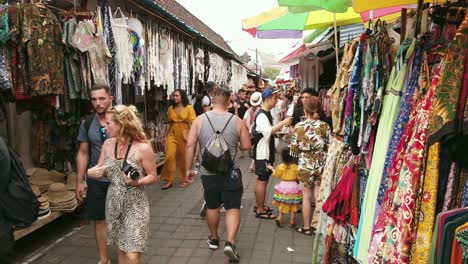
(179, 117)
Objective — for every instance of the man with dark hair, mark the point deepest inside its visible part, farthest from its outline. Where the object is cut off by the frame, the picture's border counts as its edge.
(264, 149)
(217, 190)
(91, 136)
(242, 103)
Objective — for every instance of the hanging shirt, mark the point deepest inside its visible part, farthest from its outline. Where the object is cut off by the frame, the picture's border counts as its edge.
(43, 39)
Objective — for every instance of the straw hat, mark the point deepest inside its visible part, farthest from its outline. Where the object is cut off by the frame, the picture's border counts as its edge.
(71, 181)
(33, 172)
(36, 190)
(43, 184)
(59, 194)
(256, 99)
(56, 176)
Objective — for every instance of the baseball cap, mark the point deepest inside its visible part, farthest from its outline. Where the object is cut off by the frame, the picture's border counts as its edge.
(256, 99)
(268, 92)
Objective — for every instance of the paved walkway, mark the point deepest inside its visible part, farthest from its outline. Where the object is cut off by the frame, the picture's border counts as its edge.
(178, 234)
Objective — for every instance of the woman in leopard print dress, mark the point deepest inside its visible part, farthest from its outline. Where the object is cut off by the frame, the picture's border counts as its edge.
(127, 207)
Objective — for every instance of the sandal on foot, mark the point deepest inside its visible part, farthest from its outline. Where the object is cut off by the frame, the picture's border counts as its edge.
(265, 215)
(268, 209)
(278, 223)
(167, 186)
(292, 225)
(304, 231)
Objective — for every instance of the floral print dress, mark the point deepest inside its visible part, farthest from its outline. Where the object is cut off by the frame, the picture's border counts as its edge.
(309, 143)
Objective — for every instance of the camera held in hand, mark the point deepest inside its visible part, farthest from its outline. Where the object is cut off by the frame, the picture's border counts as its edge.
(131, 171)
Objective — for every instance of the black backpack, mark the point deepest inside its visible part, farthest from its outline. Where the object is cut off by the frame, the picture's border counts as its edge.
(198, 106)
(216, 156)
(18, 203)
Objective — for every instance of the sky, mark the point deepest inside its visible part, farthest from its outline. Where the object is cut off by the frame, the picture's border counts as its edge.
(225, 18)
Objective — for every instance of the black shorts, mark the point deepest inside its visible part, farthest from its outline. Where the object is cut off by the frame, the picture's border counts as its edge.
(261, 170)
(95, 203)
(215, 195)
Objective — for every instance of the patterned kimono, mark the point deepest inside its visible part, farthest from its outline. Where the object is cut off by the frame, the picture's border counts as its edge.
(309, 142)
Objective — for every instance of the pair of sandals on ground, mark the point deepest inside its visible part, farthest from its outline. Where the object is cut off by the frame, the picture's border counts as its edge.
(268, 214)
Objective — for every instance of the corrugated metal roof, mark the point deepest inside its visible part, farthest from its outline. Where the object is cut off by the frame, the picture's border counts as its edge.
(349, 32)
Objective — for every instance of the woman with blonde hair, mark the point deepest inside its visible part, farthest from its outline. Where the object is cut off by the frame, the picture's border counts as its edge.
(127, 159)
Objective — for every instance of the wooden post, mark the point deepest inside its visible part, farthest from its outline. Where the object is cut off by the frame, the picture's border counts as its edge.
(403, 25)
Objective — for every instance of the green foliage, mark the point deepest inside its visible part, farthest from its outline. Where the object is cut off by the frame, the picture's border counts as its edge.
(270, 73)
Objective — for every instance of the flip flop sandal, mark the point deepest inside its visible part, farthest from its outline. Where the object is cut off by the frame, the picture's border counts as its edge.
(292, 225)
(268, 209)
(265, 215)
(167, 186)
(304, 231)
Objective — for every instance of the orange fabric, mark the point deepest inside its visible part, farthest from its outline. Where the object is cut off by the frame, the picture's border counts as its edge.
(176, 142)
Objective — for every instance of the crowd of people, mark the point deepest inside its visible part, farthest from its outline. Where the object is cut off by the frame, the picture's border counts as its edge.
(116, 161)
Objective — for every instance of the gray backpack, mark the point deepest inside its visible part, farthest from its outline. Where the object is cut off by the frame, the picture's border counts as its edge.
(216, 156)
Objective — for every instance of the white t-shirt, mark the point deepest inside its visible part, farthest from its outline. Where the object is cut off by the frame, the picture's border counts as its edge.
(264, 127)
(206, 101)
(290, 111)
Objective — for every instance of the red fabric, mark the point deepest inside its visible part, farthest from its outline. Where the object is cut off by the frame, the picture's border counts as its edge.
(338, 204)
(251, 31)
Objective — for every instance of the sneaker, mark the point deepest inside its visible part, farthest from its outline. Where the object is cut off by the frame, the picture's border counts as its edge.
(203, 210)
(212, 243)
(231, 251)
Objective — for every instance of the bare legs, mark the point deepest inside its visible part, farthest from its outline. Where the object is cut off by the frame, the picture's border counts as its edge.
(101, 240)
(306, 206)
(232, 223)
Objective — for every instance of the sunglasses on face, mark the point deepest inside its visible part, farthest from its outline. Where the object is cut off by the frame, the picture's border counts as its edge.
(102, 131)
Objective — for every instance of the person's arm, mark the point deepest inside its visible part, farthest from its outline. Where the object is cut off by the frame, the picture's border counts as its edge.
(146, 155)
(236, 109)
(98, 170)
(82, 161)
(168, 123)
(192, 142)
(244, 136)
(263, 125)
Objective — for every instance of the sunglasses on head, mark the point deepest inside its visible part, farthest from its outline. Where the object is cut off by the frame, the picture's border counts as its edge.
(102, 131)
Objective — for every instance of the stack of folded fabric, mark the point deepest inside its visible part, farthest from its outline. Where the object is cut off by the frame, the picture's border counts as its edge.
(44, 208)
(61, 199)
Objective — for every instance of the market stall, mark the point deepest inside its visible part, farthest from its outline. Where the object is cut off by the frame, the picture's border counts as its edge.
(53, 52)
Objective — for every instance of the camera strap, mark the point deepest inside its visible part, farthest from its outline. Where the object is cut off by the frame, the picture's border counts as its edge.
(126, 153)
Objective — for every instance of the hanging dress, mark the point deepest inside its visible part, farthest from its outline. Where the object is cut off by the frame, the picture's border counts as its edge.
(390, 107)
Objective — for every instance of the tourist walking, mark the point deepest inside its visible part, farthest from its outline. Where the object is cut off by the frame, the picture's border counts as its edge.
(242, 103)
(249, 117)
(288, 193)
(127, 159)
(220, 188)
(264, 150)
(91, 135)
(180, 116)
(309, 143)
